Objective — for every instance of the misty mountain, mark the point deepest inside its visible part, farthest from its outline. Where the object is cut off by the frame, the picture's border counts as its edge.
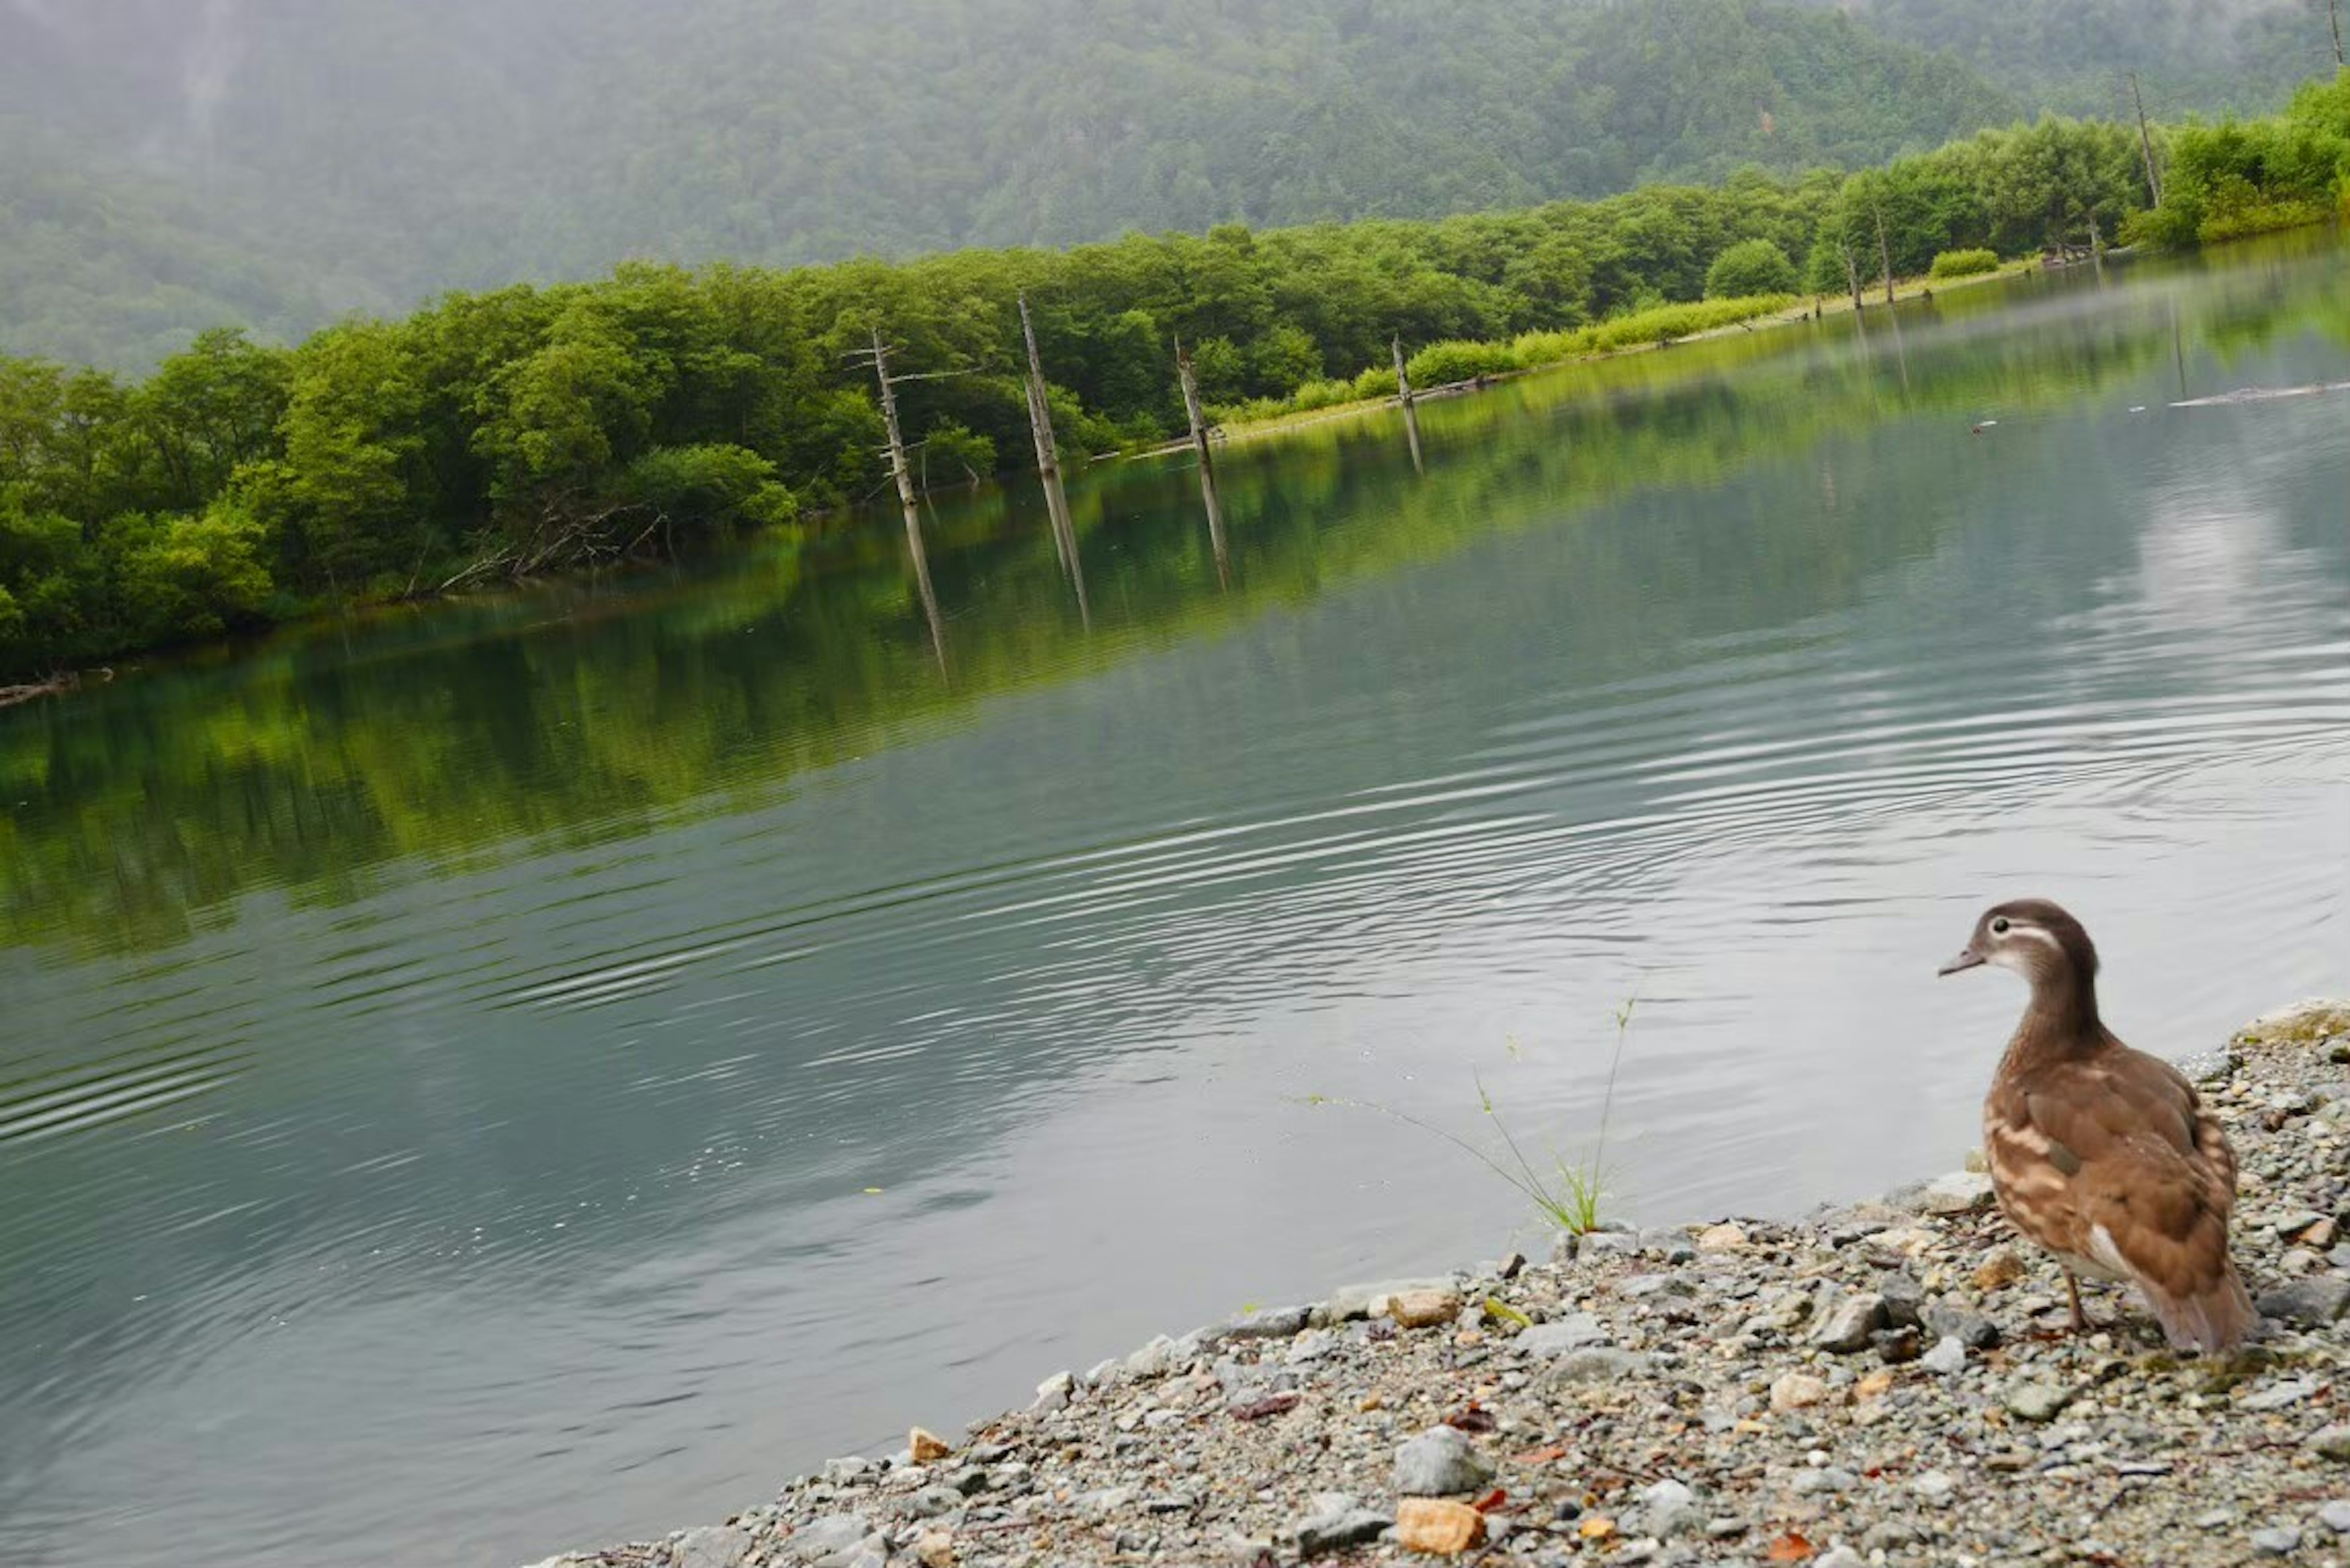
(166, 164)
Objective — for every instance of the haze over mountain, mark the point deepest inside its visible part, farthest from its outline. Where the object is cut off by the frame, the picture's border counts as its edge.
(166, 165)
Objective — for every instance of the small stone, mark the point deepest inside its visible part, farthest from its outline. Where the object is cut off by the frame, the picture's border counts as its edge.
(931, 1502)
(2336, 1517)
(713, 1546)
(1897, 1346)
(1597, 1364)
(1268, 1322)
(1668, 1509)
(1371, 1299)
(855, 1470)
(2001, 1269)
(1797, 1391)
(2279, 1396)
(1722, 1237)
(1933, 1488)
(1153, 1360)
(2332, 1443)
(1555, 1339)
(1436, 1528)
(1338, 1528)
(1849, 1324)
(1054, 1393)
(1970, 1329)
(1839, 1557)
(935, 1549)
(1423, 1309)
(1827, 1478)
(1905, 1301)
(926, 1448)
(2035, 1398)
(1961, 1192)
(2312, 1302)
(2322, 1235)
(2278, 1541)
(1875, 1386)
(823, 1537)
(1441, 1462)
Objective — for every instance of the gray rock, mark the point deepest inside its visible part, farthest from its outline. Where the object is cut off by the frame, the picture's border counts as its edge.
(1153, 1360)
(2336, 1517)
(1554, 1339)
(2278, 1541)
(1905, 1301)
(2279, 1396)
(1268, 1322)
(1441, 1462)
(1849, 1323)
(969, 1479)
(1102, 1374)
(1369, 1301)
(1639, 1285)
(2311, 1303)
(1597, 1364)
(2332, 1443)
(1668, 1509)
(933, 1501)
(1933, 1488)
(714, 1546)
(2035, 1398)
(1827, 1478)
(1971, 1329)
(1337, 1529)
(1609, 1244)
(1839, 1557)
(1055, 1392)
(1948, 1357)
(1896, 1347)
(823, 1537)
(1961, 1192)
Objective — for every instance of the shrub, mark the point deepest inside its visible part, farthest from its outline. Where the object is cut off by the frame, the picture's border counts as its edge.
(1748, 268)
(711, 486)
(1322, 394)
(1965, 264)
(1441, 364)
(1379, 381)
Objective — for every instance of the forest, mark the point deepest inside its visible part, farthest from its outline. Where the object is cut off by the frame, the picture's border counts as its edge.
(531, 427)
(168, 167)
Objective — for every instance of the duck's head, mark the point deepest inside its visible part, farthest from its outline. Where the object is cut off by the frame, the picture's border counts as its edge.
(2033, 936)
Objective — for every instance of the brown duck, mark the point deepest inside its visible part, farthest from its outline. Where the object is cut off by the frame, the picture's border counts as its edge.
(2104, 1155)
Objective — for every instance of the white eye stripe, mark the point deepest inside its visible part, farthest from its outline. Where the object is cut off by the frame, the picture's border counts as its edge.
(2036, 934)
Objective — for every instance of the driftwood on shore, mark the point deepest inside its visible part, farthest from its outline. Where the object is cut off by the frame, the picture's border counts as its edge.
(56, 685)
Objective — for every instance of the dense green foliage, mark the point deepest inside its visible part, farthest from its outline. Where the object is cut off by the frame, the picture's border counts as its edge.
(272, 163)
(1748, 268)
(1971, 263)
(532, 429)
(2245, 178)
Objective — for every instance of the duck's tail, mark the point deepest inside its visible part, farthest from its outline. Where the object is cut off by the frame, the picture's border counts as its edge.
(2218, 1318)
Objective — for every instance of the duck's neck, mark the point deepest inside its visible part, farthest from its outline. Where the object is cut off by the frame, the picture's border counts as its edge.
(2060, 1020)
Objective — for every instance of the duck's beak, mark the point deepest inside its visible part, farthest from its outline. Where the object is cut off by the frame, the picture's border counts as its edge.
(1968, 959)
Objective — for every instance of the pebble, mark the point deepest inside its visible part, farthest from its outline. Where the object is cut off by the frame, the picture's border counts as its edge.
(1961, 1192)
(2035, 1398)
(2312, 1302)
(1571, 1332)
(2278, 1396)
(1440, 1462)
(1423, 1309)
(1797, 1391)
(1850, 1323)
(2277, 1541)
(1668, 1509)
(2332, 1443)
(1436, 1528)
(1341, 1523)
(2336, 1517)
(1948, 1357)
(1268, 1322)
(713, 1546)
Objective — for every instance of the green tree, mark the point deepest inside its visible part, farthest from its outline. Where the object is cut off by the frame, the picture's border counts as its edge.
(1748, 268)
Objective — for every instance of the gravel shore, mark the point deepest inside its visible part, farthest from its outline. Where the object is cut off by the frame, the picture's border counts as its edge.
(1890, 1383)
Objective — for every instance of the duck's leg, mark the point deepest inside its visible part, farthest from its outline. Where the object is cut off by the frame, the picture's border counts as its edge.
(2081, 1322)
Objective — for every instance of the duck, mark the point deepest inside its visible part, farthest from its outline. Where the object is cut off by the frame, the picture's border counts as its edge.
(2102, 1155)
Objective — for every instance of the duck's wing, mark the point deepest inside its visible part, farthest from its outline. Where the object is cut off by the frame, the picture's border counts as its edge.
(2119, 1158)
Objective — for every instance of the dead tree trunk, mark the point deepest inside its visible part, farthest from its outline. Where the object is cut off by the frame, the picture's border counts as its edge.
(1403, 376)
(2334, 14)
(2145, 138)
(1048, 451)
(898, 469)
(1207, 463)
(1884, 250)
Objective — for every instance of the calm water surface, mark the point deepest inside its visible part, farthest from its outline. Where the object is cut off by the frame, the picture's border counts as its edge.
(535, 1072)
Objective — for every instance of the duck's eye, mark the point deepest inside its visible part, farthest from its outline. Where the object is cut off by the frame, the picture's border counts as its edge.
(1999, 926)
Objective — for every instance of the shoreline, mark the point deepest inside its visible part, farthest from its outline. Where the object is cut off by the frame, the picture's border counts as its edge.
(1885, 1382)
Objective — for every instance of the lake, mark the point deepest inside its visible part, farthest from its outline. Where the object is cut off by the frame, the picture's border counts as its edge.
(538, 1070)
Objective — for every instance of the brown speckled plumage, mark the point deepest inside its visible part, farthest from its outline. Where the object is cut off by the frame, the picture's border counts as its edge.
(2101, 1153)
